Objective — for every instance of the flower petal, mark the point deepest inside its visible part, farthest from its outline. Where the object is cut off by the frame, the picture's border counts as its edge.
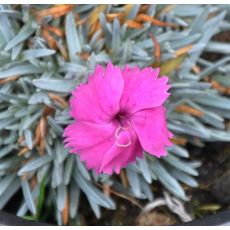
(99, 99)
(102, 147)
(143, 89)
(125, 150)
(90, 141)
(151, 129)
(109, 89)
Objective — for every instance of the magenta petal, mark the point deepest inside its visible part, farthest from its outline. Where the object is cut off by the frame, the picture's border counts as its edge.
(143, 89)
(117, 115)
(125, 150)
(99, 99)
(151, 129)
(90, 141)
(84, 104)
(109, 89)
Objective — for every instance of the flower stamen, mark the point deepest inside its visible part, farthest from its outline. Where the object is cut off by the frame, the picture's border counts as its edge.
(123, 146)
(118, 132)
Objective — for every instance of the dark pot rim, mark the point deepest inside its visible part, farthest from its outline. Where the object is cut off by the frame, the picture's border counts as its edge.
(219, 219)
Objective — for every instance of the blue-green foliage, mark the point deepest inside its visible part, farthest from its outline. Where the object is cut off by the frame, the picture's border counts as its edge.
(25, 54)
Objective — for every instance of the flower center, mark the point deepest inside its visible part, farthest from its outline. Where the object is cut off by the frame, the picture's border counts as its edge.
(122, 118)
(123, 134)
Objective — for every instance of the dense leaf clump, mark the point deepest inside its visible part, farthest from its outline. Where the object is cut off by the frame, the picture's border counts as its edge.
(46, 50)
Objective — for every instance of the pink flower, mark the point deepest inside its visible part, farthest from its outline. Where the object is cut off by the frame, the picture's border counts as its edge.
(118, 114)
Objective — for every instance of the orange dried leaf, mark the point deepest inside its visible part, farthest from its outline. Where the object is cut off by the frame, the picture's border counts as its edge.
(77, 16)
(65, 212)
(37, 136)
(172, 64)
(81, 21)
(33, 182)
(24, 177)
(106, 189)
(94, 28)
(9, 79)
(83, 55)
(42, 147)
(183, 50)
(179, 140)
(222, 89)
(23, 151)
(157, 50)
(40, 135)
(21, 139)
(48, 111)
(58, 99)
(127, 9)
(154, 21)
(50, 40)
(56, 11)
(55, 30)
(189, 110)
(94, 15)
(144, 8)
(196, 69)
(166, 9)
(110, 17)
(133, 24)
(42, 127)
(124, 179)
(144, 18)
(121, 195)
(62, 50)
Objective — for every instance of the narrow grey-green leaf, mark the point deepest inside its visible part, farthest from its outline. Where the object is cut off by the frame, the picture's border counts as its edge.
(10, 191)
(95, 207)
(72, 37)
(56, 85)
(68, 169)
(26, 31)
(146, 188)
(92, 192)
(72, 67)
(5, 150)
(181, 165)
(35, 164)
(183, 177)
(27, 196)
(74, 199)
(82, 169)
(30, 120)
(179, 151)
(20, 70)
(6, 121)
(36, 53)
(168, 181)
(144, 168)
(57, 175)
(134, 182)
(116, 35)
(29, 138)
(5, 183)
(61, 196)
(57, 128)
